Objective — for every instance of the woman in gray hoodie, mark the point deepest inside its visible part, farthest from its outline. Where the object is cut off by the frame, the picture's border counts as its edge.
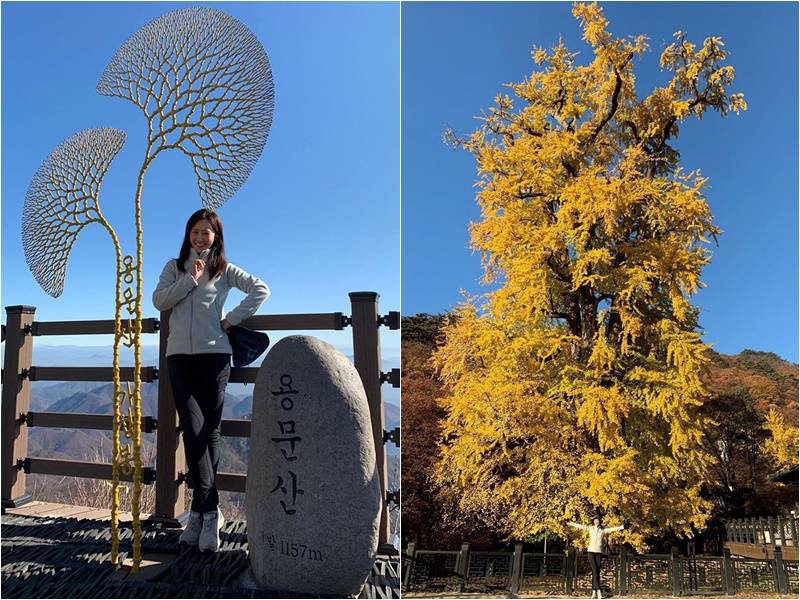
(596, 535)
(195, 286)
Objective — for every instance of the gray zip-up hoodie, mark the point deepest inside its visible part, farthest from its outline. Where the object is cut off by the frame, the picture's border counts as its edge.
(596, 535)
(194, 326)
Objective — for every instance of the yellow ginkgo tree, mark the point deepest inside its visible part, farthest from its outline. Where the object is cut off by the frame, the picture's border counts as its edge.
(575, 383)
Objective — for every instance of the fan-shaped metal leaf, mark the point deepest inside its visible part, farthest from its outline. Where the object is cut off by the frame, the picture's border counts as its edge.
(204, 83)
(62, 200)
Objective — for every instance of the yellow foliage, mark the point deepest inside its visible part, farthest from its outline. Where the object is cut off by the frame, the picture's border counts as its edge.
(782, 445)
(575, 383)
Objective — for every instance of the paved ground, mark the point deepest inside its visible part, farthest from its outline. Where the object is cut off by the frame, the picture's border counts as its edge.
(69, 557)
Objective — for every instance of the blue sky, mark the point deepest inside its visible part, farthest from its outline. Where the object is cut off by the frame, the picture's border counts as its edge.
(457, 56)
(318, 217)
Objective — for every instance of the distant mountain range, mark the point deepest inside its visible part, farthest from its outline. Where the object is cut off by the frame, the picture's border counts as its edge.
(94, 398)
(100, 356)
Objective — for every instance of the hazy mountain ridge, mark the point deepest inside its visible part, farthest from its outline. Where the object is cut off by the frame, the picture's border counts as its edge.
(97, 398)
(45, 393)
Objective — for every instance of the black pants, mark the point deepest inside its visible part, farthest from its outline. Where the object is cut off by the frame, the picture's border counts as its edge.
(198, 388)
(594, 562)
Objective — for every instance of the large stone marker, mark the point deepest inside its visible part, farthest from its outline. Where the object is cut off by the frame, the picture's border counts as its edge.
(313, 493)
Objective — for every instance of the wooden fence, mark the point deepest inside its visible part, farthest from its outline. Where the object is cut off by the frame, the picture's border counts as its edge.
(626, 573)
(758, 538)
(19, 371)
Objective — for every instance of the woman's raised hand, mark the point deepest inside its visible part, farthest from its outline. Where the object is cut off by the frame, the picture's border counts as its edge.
(197, 269)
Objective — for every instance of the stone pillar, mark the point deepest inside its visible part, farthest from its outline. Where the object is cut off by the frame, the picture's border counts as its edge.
(313, 492)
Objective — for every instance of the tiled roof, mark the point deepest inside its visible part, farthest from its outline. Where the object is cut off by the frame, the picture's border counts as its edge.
(62, 557)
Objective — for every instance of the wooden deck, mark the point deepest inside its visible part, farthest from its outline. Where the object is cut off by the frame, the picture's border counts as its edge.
(760, 550)
(36, 508)
(61, 551)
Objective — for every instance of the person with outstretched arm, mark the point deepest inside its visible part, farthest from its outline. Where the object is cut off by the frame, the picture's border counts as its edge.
(596, 536)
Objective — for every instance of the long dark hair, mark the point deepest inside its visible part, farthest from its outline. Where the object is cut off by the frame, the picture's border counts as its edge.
(215, 263)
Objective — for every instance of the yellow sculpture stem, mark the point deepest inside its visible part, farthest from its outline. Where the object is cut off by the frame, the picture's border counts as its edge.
(133, 428)
(137, 376)
(116, 450)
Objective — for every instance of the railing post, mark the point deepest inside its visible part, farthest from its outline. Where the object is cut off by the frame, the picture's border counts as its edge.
(411, 553)
(569, 569)
(516, 569)
(677, 575)
(691, 564)
(367, 360)
(463, 566)
(728, 575)
(793, 529)
(16, 401)
(781, 577)
(169, 508)
(755, 530)
(762, 539)
(771, 527)
(623, 571)
(745, 531)
(781, 532)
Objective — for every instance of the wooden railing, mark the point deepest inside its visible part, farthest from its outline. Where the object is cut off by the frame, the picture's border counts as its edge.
(758, 538)
(19, 371)
(778, 531)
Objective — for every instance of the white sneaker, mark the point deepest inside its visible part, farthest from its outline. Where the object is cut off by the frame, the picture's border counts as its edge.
(594, 593)
(191, 534)
(599, 594)
(209, 535)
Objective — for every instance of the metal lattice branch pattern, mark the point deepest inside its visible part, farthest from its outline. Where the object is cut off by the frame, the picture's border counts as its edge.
(204, 83)
(62, 200)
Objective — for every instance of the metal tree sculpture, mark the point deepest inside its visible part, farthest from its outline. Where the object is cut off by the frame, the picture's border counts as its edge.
(204, 84)
(62, 199)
